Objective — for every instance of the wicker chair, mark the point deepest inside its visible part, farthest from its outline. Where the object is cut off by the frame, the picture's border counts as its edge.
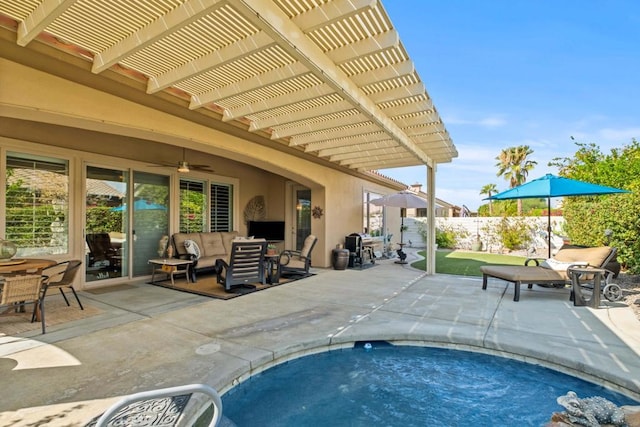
(20, 290)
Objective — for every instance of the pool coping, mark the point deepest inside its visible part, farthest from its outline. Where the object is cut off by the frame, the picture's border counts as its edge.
(152, 338)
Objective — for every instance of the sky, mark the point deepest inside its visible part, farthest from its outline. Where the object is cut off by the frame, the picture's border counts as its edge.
(504, 73)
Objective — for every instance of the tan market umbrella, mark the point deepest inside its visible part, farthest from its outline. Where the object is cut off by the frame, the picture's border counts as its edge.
(403, 199)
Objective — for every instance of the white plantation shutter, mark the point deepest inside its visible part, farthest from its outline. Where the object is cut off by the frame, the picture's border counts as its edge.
(37, 205)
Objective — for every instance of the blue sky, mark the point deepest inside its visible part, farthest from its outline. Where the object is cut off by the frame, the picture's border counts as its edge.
(504, 73)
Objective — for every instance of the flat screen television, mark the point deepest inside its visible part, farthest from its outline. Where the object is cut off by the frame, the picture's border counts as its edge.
(268, 230)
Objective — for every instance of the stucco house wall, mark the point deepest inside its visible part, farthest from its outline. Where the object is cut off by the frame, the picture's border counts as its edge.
(51, 114)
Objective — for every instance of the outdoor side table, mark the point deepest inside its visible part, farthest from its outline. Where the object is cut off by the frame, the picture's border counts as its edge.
(595, 275)
(272, 265)
(170, 267)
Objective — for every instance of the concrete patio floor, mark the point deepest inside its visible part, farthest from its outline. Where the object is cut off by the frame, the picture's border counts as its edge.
(149, 337)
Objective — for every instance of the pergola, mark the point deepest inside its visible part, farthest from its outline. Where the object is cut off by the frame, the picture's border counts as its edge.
(328, 80)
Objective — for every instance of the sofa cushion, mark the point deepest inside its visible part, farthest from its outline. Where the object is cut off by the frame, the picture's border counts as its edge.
(227, 239)
(212, 244)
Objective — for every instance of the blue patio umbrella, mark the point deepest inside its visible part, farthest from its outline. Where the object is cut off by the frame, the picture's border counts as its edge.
(140, 205)
(554, 186)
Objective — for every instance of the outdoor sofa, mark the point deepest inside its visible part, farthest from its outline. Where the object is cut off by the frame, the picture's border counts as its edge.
(208, 248)
(552, 271)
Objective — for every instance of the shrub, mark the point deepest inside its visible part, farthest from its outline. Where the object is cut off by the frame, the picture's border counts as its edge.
(514, 233)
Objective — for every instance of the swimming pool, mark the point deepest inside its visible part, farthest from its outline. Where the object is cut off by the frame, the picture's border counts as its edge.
(403, 386)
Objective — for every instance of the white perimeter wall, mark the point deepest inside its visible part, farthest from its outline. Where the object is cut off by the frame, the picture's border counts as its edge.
(481, 224)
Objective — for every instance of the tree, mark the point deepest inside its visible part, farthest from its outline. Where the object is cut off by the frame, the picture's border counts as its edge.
(514, 165)
(488, 190)
(589, 218)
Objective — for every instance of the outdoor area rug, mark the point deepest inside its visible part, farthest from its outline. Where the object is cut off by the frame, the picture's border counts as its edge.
(208, 286)
(56, 312)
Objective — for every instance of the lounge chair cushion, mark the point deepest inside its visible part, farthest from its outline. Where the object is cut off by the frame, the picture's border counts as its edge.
(524, 274)
(593, 256)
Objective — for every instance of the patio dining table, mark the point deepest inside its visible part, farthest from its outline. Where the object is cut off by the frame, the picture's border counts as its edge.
(23, 266)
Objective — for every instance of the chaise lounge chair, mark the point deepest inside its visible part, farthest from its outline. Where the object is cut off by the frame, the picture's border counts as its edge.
(552, 271)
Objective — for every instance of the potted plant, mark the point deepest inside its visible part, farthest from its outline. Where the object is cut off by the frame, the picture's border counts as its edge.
(477, 245)
(271, 249)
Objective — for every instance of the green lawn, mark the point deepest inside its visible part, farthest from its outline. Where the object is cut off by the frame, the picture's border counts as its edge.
(465, 263)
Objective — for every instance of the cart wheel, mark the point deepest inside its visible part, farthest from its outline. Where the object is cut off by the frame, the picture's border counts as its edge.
(612, 292)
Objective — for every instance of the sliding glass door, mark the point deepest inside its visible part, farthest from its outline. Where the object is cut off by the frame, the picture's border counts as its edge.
(124, 223)
(106, 224)
(150, 218)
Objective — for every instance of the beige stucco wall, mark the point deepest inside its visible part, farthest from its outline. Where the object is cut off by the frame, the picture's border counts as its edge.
(49, 110)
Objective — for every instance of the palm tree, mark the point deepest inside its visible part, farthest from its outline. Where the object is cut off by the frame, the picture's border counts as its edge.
(488, 190)
(514, 166)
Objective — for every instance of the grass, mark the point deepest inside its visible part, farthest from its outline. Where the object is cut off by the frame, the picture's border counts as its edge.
(465, 263)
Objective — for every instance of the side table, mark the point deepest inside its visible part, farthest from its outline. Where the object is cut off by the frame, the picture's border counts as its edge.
(170, 267)
(272, 265)
(592, 274)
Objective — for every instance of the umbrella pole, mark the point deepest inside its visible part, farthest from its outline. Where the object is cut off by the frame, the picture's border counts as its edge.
(549, 224)
(401, 254)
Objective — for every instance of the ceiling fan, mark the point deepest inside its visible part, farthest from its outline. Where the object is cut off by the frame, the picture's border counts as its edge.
(184, 166)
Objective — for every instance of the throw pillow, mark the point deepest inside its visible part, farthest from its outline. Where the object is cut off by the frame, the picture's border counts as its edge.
(192, 248)
(552, 264)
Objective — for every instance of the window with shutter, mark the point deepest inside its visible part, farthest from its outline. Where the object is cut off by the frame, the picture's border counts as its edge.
(37, 204)
(193, 206)
(221, 207)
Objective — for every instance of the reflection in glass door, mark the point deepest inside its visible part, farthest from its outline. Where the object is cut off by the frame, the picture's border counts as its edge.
(106, 224)
(150, 218)
(302, 197)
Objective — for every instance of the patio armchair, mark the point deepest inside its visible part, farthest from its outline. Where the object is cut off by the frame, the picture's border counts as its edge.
(246, 265)
(552, 271)
(102, 254)
(166, 404)
(292, 262)
(61, 276)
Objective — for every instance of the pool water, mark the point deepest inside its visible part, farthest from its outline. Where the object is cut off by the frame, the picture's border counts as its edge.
(403, 386)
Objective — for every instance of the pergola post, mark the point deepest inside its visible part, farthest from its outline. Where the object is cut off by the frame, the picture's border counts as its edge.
(430, 253)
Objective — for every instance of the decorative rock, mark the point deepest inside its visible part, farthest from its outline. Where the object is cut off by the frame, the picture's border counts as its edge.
(591, 411)
(632, 415)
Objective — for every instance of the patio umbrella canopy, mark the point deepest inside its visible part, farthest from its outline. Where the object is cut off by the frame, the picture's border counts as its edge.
(140, 205)
(403, 199)
(554, 186)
